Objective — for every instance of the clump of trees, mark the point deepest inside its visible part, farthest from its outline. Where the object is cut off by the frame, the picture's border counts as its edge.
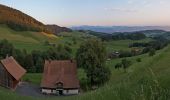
(149, 47)
(139, 60)
(157, 44)
(117, 35)
(91, 56)
(131, 36)
(125, 64)
(152, 52)
(34, 61)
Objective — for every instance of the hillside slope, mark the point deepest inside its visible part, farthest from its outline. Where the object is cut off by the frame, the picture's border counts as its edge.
(20, 21)
(57, 29)
(26, 39)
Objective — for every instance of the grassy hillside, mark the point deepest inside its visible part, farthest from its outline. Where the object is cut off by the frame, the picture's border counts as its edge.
(26, 39)
(19, 21)
(147, 80)
(122, 44)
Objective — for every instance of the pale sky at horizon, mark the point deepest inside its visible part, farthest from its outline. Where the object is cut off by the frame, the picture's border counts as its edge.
(96, 12)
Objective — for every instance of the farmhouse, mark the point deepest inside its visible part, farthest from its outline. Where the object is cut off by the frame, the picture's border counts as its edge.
(60, 78)
(10, 73)
(113, 55)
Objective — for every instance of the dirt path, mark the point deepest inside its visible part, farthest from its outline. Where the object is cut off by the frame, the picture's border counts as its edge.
(28, 89)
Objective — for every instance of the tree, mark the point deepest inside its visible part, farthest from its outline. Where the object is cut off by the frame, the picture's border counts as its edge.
(38, 61)
(118, 65)
(68, 48)
(152, 52)
(39, 65)
(46, 43)
(6, 48)
(125, 64)
(138, 60)
(28, 63)
(92, 56)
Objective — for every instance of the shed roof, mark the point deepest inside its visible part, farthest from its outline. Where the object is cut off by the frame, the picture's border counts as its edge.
(12, 66)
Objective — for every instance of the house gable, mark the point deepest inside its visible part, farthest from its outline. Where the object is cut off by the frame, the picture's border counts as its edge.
(60, 75)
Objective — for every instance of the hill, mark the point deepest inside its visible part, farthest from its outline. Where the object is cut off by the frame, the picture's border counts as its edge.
(57, 29)
(20, 21)
(28, 40)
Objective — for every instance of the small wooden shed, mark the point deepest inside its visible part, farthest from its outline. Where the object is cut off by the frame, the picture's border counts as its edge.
(10, 73)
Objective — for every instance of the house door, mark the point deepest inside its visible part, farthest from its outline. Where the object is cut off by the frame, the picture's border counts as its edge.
(60, 92)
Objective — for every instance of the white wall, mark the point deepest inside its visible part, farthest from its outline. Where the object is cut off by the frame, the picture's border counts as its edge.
(65, 92)
(46, 91)
(71, 92)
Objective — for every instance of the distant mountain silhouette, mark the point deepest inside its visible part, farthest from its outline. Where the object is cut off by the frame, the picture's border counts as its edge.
(113, 29)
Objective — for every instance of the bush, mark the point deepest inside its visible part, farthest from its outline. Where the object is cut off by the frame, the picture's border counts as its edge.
(126, 63)
(152, 52)
(138, 60)
(118, 65)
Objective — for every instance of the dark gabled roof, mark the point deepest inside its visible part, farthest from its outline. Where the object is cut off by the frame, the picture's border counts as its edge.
(13, 68)
(64, 72)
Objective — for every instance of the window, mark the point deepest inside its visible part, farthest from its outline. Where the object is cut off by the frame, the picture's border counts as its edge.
(59, 85)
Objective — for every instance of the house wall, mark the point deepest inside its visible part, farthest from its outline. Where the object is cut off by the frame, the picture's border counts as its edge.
(71, 92)
(14, 84)
(6, 80)
(65, 92)
(46, 91)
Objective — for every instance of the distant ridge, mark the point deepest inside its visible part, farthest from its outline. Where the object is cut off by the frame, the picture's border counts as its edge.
(57, 29)
(113, 29)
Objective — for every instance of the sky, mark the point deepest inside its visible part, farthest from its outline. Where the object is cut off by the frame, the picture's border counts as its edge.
(96, 12)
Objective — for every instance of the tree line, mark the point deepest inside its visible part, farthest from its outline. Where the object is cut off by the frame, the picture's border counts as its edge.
(117, 35)
(33, 62)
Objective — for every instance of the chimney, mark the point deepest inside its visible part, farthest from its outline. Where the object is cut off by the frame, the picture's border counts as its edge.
(71, 60)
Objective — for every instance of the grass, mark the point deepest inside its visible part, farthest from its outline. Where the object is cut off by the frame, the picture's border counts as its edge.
(33, 78)
(26, 40)
(122, 44)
